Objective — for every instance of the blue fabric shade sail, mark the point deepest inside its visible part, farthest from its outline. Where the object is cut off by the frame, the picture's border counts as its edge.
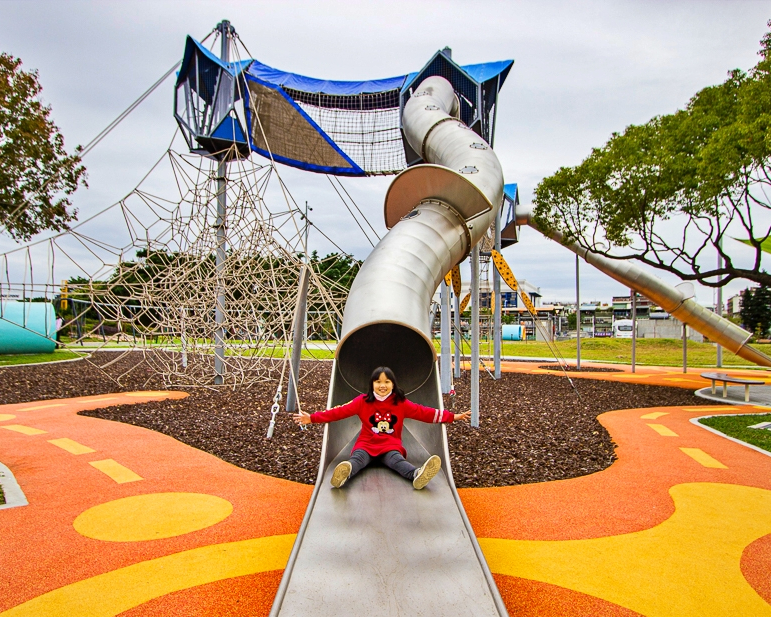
(328, 126)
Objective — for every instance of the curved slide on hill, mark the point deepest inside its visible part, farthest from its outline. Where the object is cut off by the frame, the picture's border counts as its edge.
(378, 547)
(673, 300)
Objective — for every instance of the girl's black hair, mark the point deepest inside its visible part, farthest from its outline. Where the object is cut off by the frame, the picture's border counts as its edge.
(398, 393)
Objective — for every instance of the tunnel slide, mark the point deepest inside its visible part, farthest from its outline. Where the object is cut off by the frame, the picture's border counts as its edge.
(378, 547)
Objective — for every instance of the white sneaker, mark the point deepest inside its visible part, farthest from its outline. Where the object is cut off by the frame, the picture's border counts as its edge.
(429, 469)
(341, 473)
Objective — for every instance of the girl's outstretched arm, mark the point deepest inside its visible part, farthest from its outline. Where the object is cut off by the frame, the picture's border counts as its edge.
(302, 418)
(466, 415)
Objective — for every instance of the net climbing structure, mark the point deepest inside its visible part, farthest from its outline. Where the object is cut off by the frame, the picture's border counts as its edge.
(204, 270)
(152, 284)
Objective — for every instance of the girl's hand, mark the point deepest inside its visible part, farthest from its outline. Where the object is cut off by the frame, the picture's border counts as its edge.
(466, 416)
(302, 418)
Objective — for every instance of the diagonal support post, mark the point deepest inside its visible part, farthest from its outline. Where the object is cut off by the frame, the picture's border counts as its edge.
(298, 337)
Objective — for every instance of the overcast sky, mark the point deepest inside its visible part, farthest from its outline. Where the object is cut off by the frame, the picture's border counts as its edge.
(582, 70)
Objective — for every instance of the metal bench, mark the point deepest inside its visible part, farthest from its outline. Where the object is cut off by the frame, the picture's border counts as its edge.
(726, 379)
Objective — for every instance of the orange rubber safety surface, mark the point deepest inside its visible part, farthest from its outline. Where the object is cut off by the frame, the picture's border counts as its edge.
(42, 551)
(682, 514)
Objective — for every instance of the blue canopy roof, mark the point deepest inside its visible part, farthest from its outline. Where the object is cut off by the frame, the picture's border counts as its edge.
(511, 192)
(191, 45)
(325, 86)
(297, 132)
(479, 72)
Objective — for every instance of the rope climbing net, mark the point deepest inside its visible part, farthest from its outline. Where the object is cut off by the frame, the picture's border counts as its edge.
(142, 275)
(365, 126)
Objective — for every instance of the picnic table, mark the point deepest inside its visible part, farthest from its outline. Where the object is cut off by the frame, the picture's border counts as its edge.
(726, 379)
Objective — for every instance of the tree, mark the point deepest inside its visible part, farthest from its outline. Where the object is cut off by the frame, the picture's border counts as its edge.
(756, 310)
(36, 175)
(665, 193)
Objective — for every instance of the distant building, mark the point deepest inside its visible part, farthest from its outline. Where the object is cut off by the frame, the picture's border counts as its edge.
(733, 306)
(622, 306)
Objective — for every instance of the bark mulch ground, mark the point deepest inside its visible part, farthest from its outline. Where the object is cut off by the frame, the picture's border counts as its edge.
(533, 428)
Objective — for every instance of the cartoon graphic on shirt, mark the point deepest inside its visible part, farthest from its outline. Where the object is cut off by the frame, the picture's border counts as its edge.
(383, 422)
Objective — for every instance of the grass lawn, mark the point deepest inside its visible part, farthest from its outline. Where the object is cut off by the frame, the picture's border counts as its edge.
(736, 427)
(659, 352)
(36, 358)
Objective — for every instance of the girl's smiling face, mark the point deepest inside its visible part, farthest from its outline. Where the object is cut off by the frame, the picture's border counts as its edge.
(383, 386)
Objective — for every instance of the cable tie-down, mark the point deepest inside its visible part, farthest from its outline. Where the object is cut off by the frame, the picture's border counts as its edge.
(274, 409)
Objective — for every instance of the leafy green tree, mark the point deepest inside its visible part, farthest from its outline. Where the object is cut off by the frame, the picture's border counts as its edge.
(665, 193)
(36, 173)
(572, 319)
(341, 269)
(756, 310)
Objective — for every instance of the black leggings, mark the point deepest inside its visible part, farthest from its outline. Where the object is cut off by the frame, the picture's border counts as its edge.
(392, 459)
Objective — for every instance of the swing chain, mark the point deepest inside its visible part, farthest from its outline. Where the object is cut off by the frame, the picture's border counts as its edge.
(273, 411)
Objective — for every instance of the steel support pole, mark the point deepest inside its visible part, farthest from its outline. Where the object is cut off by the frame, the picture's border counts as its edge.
(298, 337)
(445, 361)
(498, 308)
(183, 337)
(634, 328)
(457, 338)
(578, 318)
(719, 307)
(685, 348)
(219, 311)
(475, 336)
(221, 226)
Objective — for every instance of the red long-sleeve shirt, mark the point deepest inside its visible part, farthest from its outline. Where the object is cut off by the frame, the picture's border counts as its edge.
(381, 421)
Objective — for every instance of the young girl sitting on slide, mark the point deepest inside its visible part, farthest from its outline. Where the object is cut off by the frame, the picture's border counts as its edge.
(382, 411)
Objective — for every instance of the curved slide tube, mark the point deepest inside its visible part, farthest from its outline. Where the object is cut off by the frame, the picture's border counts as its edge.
(378, 547)
(671, 299)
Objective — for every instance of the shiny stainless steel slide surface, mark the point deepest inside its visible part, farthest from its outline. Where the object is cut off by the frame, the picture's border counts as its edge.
(377, 547)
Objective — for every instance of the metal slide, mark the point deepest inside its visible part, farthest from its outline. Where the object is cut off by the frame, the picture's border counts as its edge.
(377, 546)
(677, 301)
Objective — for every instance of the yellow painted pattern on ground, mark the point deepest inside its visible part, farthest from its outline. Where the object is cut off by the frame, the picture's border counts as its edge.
(116, 471)
(152, 517)
(6, 416)
(700, 456)
(42, 407)
(71, 446)
(654, 415)
(663, 430)
(110, 594)
(698, 548)
(99, 400)
(24, 430)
